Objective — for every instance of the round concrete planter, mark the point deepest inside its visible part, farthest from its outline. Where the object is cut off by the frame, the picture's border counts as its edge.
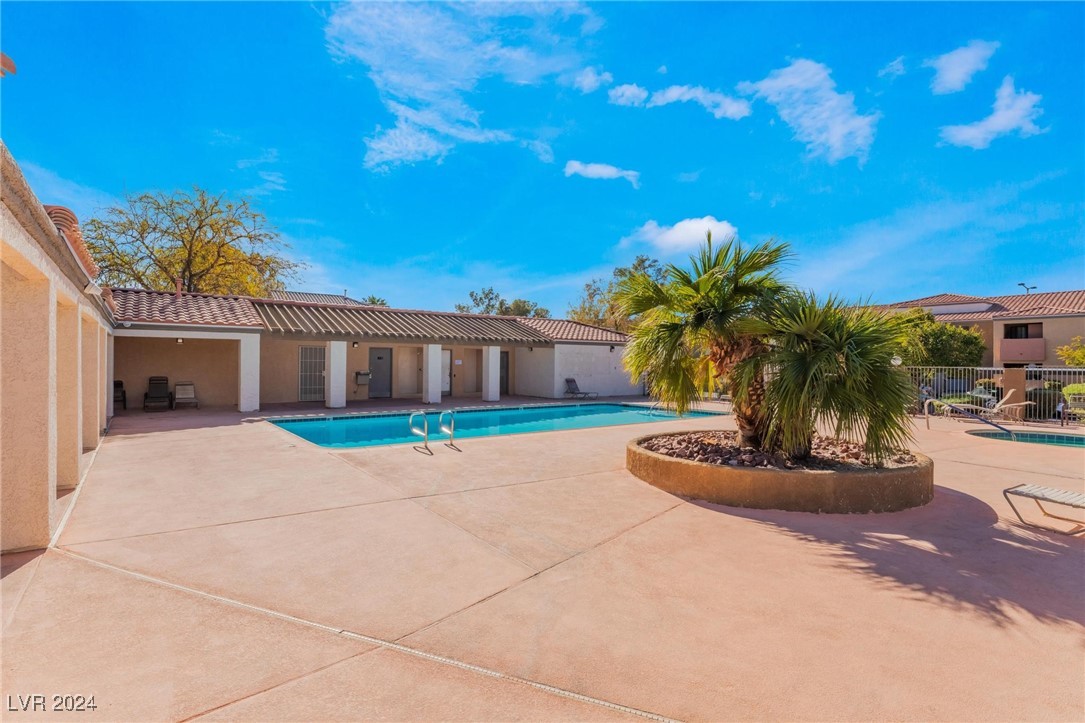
(850, 491)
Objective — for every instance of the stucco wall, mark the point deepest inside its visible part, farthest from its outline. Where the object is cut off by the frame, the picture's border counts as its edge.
(212, 365)
(535, 372)
(596, 369)
(1057, 331)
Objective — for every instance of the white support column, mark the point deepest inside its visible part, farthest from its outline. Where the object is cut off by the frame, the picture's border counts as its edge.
(491, 373)
(335, 375)
(109, 376)
(248, 362)
(431, 374)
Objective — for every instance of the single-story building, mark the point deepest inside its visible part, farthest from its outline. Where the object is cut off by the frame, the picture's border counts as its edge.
(56, 346)
(1018, 329)
(243, 352)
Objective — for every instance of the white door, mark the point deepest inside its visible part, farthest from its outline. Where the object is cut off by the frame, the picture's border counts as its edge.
(311, 374)
(446, 371)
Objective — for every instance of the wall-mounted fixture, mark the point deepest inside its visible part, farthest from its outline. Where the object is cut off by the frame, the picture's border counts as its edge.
(531, 348)
(354, 344)
(180, 340)
(612, 347)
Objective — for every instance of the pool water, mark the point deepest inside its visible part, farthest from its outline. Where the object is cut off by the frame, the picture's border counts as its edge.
(369, 430)
(1057, 440)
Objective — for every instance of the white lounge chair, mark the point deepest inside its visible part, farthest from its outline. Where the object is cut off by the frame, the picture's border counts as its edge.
(1001, 409)
(185, 393)
(1038, 494)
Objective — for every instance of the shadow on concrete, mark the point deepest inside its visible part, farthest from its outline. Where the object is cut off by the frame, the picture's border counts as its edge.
(137, 422)
(954, 551)
(12, 561)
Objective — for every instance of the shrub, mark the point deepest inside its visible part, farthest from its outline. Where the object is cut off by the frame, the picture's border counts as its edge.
(1074, 389)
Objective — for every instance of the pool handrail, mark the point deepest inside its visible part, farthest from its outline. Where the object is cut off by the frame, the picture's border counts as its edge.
(450, 430)
(424, 431)
(999, 427)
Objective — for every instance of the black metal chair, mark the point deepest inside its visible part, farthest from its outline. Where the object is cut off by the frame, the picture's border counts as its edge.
(119, 395)
(572, 389)
(158, 395)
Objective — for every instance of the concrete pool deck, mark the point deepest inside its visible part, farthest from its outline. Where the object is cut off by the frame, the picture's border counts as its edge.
(216, 566)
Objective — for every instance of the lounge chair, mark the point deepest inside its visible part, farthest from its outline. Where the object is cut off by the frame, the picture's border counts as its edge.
(185, 393)
(573, 390)
(158, 395)
(1073, 410)
(1051, 495)
(119, 395)
(1001, 410)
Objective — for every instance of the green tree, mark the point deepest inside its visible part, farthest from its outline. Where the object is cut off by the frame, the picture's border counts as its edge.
(373, 300)
(598, 304)
(488, 301)
(831, 365)
(212, 244)
(929, 342)
(697, 323)
(1072, 354)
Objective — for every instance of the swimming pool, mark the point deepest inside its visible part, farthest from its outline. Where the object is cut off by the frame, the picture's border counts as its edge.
(370, 430)
(1057, 440)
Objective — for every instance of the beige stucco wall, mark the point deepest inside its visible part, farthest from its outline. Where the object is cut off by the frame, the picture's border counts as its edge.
(212, 365)
(1057, 331)
(28, 393)
(44, 292)
(279, 358)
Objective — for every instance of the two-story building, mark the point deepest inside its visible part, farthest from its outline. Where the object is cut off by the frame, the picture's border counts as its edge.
(1019, 329)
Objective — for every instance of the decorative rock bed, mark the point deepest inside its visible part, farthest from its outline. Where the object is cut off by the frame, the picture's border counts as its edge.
(841, 488)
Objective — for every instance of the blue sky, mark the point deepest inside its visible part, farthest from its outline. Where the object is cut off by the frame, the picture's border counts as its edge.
(420, 151)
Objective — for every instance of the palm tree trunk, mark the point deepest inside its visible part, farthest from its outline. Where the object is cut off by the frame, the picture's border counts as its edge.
(746, 409)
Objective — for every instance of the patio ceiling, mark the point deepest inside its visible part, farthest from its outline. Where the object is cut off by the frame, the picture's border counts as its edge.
(383, 323)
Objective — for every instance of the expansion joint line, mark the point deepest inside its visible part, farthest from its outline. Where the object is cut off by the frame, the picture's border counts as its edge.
(398, 647)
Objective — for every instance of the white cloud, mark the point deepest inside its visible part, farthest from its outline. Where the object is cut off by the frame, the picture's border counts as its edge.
(805, 96)
(601, 170)
(51, 189)
(628, 94)
(426, 61)
(541, 149)
(689, 176)
(268, 155)
(716, 103)
(894, 69)
(954, 70)
(1013, 111)
(590, 80)
(662, 70)
(271, 181)
(685, 235)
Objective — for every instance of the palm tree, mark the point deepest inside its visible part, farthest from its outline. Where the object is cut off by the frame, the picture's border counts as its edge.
(694, 324)
(830, 364)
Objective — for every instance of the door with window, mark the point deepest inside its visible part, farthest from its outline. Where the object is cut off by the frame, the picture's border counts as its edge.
(446, 371)
(311, 374)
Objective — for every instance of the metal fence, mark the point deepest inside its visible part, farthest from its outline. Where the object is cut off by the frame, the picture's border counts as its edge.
(1047, 388)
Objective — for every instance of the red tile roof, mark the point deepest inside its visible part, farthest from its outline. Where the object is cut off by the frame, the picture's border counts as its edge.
(349, 319)
(566, 330)
(164, 307)
(1012, 306)
(942, 300)
(378, 322)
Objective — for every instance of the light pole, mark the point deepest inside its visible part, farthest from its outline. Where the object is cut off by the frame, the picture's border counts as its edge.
(1026, 287)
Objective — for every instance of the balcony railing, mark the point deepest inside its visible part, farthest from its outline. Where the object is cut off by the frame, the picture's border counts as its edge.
(1021, 350)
